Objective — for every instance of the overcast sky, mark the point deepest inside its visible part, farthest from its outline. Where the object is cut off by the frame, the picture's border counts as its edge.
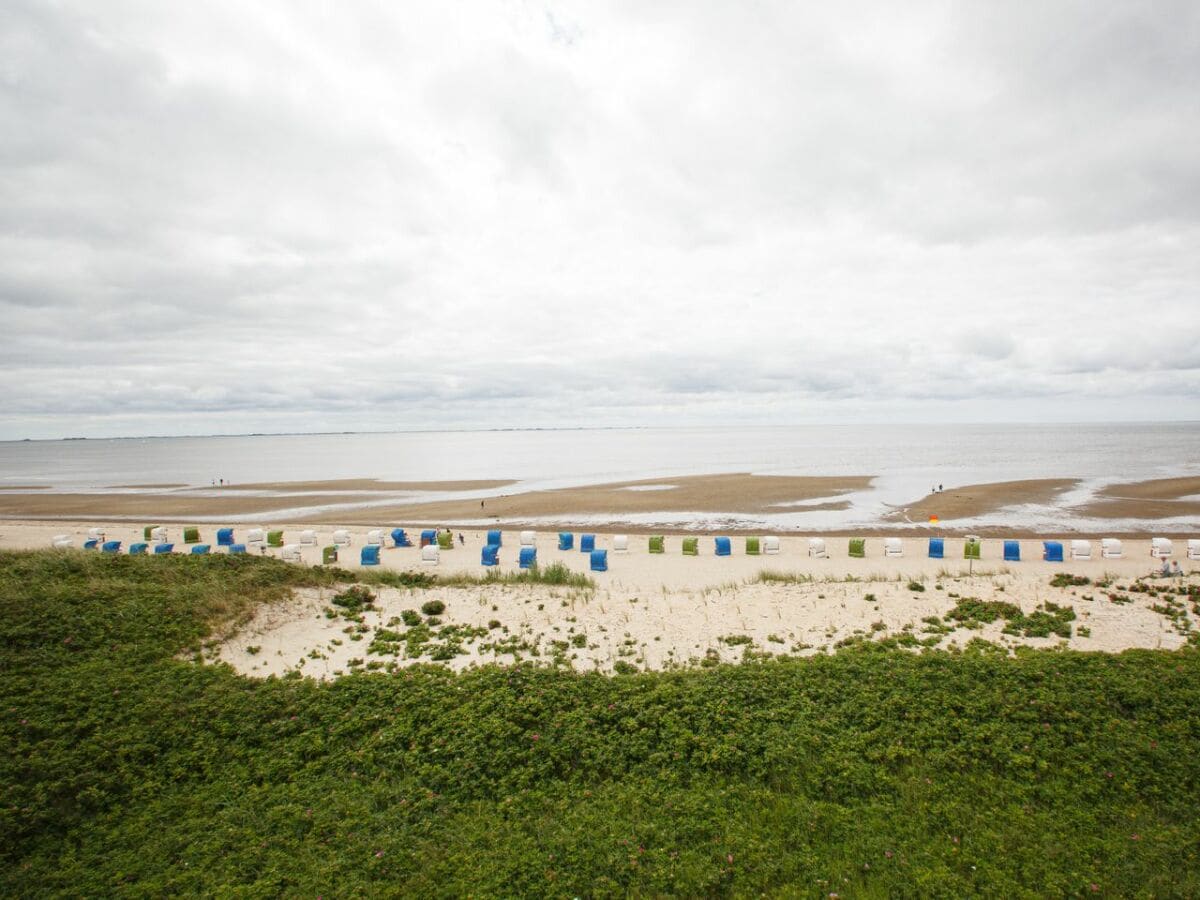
(279, 216)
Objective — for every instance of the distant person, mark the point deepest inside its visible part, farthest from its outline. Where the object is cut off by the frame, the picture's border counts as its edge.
(939, 488)
(1176, 570)
(1165, 571)
(462, 541)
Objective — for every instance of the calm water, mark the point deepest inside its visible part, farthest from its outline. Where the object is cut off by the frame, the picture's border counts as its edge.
(907, 460)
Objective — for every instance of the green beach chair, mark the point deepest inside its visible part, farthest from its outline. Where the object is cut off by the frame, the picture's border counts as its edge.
(858, 547)
(329, 555)
(691, 546)
(191, 535)
(658, 544)
(445, 540)
(148, 532)
(274, 538)
(973, 550)
(752, 547)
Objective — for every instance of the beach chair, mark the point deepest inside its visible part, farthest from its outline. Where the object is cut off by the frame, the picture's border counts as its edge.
(816, 548)
(495, 537)
(275, 539)
(236, 549)
(858, 548)
(256, 539)
(110, 547)
(400, 538)
(528, 557)
(771, 545)
(1012, 551)
(341, 538)
(972, 548)
(91, 544)
(490, 555)
(1110, 548)
(96, 534)
(291, 553)
(599, 559)
(528, 538)
(753, 546)
(308, 538)
(138, 549)
(158, 534)
(329, 555)
(375, 537)
(445, 540)
(191, 535)
(61, 541)
(224, 537)
(691, 546)
(566, 540)
(200, 549)
(721, 546)
(621, 543)
(148, 532)
(587, 543)
(430, 554)
(937, 548)
(428, 537)
(1161, 548)
(1081, 549)
(1052, 551)
(893, 546)
(658, 544)
(1193, 551)
(163, 548)
(369, 555)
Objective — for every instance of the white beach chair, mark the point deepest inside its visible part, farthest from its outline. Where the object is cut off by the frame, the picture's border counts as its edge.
(308, 538)
(1160, 548)
(61, 540)
(96, 534)
(158, 534)
(816, 547)
(1081, 549)
(893, 546)
(528, 538)
(290, 553)
(256, 537)
(375, 536)
(341, 538)
(430, 554)
(1193, 548)
(771, 545)
(620, 543)
(1110, 548)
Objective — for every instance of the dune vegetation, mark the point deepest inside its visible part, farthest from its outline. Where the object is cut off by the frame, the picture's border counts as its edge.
(133, 766)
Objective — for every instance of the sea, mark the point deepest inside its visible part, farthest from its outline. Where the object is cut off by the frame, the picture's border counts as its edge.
(906, 460)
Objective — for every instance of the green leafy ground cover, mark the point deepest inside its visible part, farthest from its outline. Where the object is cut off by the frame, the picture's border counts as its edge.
(130, 769)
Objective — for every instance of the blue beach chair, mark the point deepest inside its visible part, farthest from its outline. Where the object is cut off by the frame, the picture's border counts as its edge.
(163, 548)
(429, 536)
(200, 549)
(110, 547)
(937, 548)
(566, 540)
(400, 538)
(138, 549)
(236, 549)
(369, 556)
(1052, 551)
(587, 543)
(224, 537)
(91, 544)
(495, 537)
(599, 560)
(723, 546)
(491, 555)
(528, 557)
(1012, 551)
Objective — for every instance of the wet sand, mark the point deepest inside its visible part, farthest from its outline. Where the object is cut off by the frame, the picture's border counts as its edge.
(1162, 498)
(974, 500)
(373, 484)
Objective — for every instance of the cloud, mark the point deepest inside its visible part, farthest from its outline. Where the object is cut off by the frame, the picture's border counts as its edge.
(221, 218)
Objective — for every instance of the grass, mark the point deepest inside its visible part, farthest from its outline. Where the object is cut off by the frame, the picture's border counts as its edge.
(129, 769)
(553, 574)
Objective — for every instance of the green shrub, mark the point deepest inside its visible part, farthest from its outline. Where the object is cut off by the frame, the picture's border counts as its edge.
(433, 607)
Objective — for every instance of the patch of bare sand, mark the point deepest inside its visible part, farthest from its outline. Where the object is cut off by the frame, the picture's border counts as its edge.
(1159, 498)
(974, 500)
(374, 484)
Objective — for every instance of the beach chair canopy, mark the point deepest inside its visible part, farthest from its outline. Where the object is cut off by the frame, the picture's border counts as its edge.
(1012, 551)
(587, 543)
(275, 538)
(341, 538)
(148, 532)
(816, 547)
(329, 555)
(369, 555)
(1110, 548)
(200, 549)
(566, 540)
(91, 544)
(621, 543)
(138, 549)
(753, 546)
(400, 538)
(224, 537)
(159, 534)
(1193, 548)
(722, 546)
(110, 547)
(308, 538)
(1052, 551)
(691, 546)
(428, 536)
(599, 559)
(445, 540)
(375, 536)
(191, 535)
(237, 548)
(937, 548)
(658, 543)
(291, 553)
(893, 546)
(770, 544)
(256, 537)
(95, 534)
(163, 548)
(528, 557)
(858, 548)
(1081, 549)
(528, 538)
(1161, 547)
(430, 554)
(972, 548)
(495, 537)
(490, 555)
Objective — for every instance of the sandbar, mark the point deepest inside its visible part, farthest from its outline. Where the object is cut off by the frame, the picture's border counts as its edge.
(1160, 498)
(974, 500)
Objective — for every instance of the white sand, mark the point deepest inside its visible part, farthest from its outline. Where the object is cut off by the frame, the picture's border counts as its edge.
(657, 611)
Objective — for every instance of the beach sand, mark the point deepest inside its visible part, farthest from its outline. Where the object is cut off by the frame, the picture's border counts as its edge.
(1161, 498)
(658, 611)
(974, 500)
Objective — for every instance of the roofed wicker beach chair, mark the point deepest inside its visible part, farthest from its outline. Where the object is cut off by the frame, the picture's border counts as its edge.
(753, 546)
(163, 548)
(148, 532)
(91, 544)
(329, 555)
(400, 538)
(430, 554)
(599, 560)
(893, 546)
(236, 549)
(1110, 548)
(771, 545)
(200, 549)
(1161, 548)
(428, 537)
(490, 555)
(937, 548)
(224, 537)
(96, 534)
(495, 537)
(528, 538)
(158, 534)
(658, 544)
(587, 543)
(138, 549)
(256, 538)
(620, 543)
(375, 537)
(566, 540)
(1012, 551)
(1052, 551)
(445, 540)
(527, 558)
(291, 553)
(369, 555)
(341, 538)
(816, 548)
(722, 546)
(308, 538)
(972, 548)
(275, 538)
(691, 546)
(1193, 548)
(858, 548)
(191, 535)
(110, 547)
(1081, 549)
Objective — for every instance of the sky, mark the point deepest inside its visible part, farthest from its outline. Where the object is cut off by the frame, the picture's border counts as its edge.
(231, 217)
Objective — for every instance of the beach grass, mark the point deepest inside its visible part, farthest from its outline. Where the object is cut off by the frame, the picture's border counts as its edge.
(132, 769)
